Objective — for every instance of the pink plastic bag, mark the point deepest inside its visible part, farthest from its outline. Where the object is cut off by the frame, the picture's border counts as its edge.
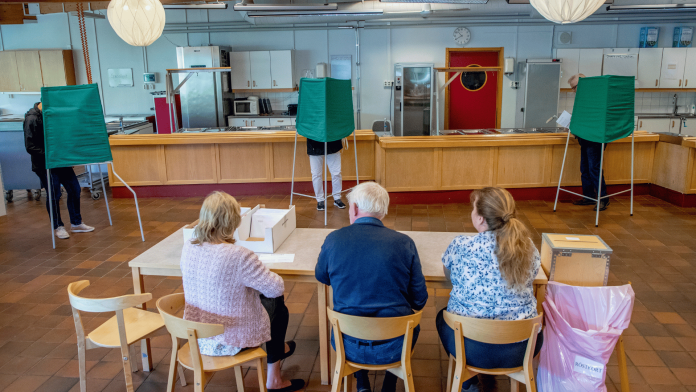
(583, 325)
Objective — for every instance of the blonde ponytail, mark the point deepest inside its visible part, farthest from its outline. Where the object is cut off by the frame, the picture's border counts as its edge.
(515, 251)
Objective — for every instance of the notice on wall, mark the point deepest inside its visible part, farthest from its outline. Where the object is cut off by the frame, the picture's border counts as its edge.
(120, 77)
(341, 67)
(671, 72)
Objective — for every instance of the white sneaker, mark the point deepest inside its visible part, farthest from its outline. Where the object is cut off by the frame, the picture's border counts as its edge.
(81, 228)
(62, 233)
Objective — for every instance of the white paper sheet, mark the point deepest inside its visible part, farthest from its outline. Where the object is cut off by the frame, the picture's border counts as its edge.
(276, 258)
(564, 119)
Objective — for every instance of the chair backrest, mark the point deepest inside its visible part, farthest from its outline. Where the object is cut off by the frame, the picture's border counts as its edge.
(374, 328)
(169, 305)
(379, 126)
(494, 331)
(103, 304)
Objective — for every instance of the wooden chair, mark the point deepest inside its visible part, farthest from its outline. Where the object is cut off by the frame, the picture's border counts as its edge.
(190, 357)
(127, 327)
(493, 332)
(372, 328)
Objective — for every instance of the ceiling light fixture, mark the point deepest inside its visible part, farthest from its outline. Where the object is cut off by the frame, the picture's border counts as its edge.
(201, 6)
(566, 11)
(138, 22)
(314, 13)
(652, 7)
(284, 7)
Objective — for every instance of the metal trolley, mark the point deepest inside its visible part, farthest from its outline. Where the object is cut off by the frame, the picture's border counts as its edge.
(94, 179)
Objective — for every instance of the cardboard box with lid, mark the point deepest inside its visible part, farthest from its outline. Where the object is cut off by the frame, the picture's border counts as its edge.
(578, 260)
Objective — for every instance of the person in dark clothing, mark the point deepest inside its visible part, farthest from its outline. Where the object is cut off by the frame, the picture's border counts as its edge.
(34, 144)
(590, 159)
(374, 272)
(315, 150)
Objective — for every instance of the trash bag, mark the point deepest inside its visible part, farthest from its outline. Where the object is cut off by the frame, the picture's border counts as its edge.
(583, 325)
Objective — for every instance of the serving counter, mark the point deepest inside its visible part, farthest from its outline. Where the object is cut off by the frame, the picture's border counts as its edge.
(675, 158)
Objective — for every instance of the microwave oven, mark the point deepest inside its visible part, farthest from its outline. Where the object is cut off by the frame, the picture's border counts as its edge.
(246, 107)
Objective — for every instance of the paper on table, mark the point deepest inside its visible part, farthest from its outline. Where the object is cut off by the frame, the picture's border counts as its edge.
(276, 258)
(564, 119)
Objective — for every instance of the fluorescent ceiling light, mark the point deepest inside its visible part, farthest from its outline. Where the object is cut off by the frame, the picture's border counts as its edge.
(201, 6)
(284, 7)
(653, 7)
(314, 13)
(437, 1)
(92, 15)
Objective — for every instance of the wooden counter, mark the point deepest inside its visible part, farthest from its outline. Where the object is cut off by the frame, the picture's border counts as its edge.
(675, 158)
(463, 162)
(225, 158)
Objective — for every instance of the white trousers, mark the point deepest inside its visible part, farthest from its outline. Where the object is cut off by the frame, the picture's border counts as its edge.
(333, 161)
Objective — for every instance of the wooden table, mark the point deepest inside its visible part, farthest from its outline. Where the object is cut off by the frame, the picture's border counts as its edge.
(163, 260)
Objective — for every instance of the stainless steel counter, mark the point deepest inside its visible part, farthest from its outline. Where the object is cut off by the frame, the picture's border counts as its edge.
(237, 129)
(503, 131)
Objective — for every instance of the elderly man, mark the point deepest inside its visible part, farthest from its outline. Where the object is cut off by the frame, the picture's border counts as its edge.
(374, 272)
(590, 160)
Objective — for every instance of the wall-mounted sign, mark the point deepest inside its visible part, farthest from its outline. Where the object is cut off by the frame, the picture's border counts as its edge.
(120, 77)
(341, 67)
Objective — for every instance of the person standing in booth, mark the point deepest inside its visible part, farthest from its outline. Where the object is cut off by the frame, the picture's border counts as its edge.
(34, 144)
(315, 150)
(590, 161)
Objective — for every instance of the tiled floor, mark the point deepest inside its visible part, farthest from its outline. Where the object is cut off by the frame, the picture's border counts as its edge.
(655, 250)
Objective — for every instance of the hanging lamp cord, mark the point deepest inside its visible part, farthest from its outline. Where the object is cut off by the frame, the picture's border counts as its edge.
(83, 37)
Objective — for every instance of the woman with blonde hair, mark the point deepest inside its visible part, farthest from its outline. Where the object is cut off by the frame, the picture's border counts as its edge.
(227, 284)
(492, 275)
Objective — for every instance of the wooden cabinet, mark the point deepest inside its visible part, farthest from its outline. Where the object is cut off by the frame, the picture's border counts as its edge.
(241, 70)
(649, 66)
(672, 71)
(690, 68)
(658, 125)
(260, 70)
(29, 70)
(9, 79)
(282, 66)
(57, 68)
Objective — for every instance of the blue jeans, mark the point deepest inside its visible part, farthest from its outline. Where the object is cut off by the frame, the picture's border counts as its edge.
(374, 352)
(66, 177)
(485, 355)
(590, 159)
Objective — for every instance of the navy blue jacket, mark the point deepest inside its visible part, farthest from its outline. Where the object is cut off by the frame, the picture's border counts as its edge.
(374, 271)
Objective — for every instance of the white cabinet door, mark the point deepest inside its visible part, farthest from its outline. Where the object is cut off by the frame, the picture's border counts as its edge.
(649, 65)
(241, 70)
(674, 124)
(233, 121)
(590, 62)
(690, 68)
(672, 72)
(260, 122)
(280, 121)
(281, 69)
(688, 127)
(293, 121)
(569, 66)
(260, 70)
(658, 125)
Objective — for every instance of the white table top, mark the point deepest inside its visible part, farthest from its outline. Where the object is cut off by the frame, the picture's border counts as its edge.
(305, 244)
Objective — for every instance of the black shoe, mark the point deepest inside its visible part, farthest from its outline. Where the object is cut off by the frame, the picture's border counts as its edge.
(338, 203)
(320, 206)
(295, 385)
(584, 202)
(602, 205)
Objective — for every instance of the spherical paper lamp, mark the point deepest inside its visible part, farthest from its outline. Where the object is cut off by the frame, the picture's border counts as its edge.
(566, 11)
(138, 22)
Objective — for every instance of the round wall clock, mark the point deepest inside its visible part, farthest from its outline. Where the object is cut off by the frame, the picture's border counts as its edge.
(462, 35)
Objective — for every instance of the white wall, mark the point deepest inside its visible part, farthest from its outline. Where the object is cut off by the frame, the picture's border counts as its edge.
(380, 49)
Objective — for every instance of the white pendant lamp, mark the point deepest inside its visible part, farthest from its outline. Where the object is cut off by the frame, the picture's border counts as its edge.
(138, 22)
(566, 11)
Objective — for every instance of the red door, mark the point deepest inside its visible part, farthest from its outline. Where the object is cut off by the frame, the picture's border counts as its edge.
(473, 95)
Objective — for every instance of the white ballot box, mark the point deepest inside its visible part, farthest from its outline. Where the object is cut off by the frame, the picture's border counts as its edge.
(262, 230)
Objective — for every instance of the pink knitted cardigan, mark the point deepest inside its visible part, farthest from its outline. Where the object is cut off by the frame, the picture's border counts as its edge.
(222, 283)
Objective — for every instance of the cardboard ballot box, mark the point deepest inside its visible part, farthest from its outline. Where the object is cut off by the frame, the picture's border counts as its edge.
(262, 230)
(578, 260)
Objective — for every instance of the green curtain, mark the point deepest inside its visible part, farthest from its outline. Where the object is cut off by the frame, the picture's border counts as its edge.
(325, 109)
(74, 126)
(604, 107)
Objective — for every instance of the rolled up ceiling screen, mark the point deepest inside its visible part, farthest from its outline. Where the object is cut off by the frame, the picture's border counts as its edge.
(325, 109)
(74, 126)
(604, 107)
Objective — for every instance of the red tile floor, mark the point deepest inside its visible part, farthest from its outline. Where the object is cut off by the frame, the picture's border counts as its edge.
(655, 250)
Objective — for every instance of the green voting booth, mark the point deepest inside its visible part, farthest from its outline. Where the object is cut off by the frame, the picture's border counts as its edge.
(602, 113)
(324, 114)
(75, 134)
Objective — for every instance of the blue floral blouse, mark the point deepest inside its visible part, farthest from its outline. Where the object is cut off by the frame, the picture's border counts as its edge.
(478, 289)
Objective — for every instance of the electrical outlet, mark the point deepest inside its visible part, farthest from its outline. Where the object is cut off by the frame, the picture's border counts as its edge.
(388, 83)
(514, 84)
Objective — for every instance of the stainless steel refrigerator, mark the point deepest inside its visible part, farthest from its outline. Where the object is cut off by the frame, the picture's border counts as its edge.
(413, 99)
(542, 87)
(205, 97)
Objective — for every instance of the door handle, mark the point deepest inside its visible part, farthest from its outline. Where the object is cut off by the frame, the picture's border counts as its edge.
(640, 124)
(274, 83)
(686, 82)
(679, 82)
(656, 82)
(254, 83)
(672, 123)
(248, 84)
